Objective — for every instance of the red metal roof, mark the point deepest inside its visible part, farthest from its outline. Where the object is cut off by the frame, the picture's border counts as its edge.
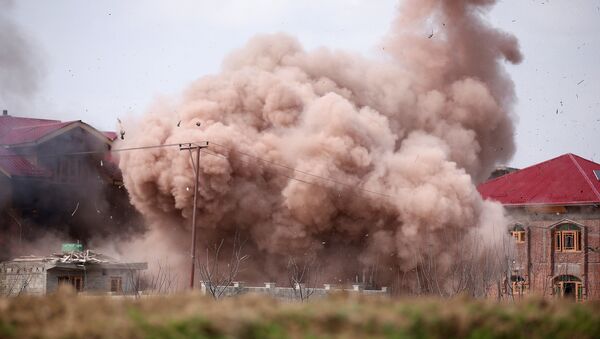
(17, 131)
(110, 135)
(21, 135)
(16, 165)
(8, 122)
(566, 180)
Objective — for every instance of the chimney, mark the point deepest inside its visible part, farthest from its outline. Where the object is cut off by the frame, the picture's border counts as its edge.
(4, 112)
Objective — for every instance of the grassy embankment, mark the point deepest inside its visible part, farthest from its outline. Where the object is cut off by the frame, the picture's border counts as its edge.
(190, 316)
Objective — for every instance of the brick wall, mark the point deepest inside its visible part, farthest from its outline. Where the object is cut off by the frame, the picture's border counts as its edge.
(538, 261)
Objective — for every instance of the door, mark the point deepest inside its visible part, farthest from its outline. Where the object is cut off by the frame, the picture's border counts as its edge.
(572, 290)
(74, 280)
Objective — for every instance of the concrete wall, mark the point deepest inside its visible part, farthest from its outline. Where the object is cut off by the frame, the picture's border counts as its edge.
(95, 281)
(288, 293)
(22, 278)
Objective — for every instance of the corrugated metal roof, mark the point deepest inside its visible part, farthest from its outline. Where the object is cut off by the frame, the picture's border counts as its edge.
(110, 135)
(25, 134)
(8, 122)
(566, 180)
(19, 131)
(16, 165)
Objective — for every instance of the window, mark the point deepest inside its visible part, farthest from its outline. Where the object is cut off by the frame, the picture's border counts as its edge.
(567, 238)
(116, 285)
(518, 232)
(519, 287)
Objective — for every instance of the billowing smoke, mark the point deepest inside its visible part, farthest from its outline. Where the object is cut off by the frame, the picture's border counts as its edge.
(21, 67)
(361, 163)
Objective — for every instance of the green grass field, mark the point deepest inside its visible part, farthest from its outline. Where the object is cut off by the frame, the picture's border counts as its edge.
(66, 315)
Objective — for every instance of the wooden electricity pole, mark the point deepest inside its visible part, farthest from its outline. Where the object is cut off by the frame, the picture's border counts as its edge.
(197, 148)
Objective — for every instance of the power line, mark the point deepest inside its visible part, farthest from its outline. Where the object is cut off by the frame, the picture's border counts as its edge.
(215, 153)
(303, 172)
(100, 152)
(307, 173)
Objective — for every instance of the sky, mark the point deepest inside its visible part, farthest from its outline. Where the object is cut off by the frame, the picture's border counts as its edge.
(100, 60)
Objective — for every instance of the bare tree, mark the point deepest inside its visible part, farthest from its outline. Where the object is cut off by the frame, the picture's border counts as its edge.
(303, 275)
(15, 284)
(162, 280)
(216, 277)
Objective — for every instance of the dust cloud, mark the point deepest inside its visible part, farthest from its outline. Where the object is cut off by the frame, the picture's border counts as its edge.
(365, 164)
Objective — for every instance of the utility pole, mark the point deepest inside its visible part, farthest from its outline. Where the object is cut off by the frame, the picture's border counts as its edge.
(197, 148)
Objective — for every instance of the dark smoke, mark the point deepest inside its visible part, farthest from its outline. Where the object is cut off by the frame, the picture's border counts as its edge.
(21, 65)
(419, 128)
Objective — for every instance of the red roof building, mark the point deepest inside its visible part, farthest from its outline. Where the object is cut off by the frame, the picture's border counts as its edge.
(59, 177)
(555, 211)
(18, 134)
(566, 180)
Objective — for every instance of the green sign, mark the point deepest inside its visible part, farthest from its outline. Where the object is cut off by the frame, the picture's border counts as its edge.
(66, 248)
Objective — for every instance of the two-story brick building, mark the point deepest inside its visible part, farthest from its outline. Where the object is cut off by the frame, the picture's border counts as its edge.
(555, 209)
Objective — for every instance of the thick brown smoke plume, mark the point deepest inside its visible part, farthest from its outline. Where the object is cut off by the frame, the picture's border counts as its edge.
(404, 139)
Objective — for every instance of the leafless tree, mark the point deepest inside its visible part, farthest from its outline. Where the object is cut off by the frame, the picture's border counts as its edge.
(302, 275)
(162, 280)
(15, 284)
(217, 277)
(475, 269)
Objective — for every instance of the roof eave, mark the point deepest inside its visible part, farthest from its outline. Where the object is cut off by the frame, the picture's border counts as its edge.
(542, 204)
(63, 130)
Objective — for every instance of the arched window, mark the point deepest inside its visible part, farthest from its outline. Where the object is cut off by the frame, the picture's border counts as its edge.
(569, 287)
(518, 232)
(567, 238)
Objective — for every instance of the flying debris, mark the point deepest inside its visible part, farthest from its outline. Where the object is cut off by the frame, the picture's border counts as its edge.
(121, 131)
(198, 124)
(179, 123)
(76, 207)
(430, 35)
(579, 83)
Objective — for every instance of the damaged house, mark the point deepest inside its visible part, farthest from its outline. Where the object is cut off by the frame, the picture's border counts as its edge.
(85, 271)
(555, 208)
(59, 177)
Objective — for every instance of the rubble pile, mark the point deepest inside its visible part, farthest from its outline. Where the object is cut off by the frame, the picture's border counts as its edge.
(85, 257)
(75, 257)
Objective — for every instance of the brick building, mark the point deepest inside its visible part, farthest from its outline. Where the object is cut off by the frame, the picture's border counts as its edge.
(555, 209)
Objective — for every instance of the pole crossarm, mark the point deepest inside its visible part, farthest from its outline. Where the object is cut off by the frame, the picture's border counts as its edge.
(192, 146)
